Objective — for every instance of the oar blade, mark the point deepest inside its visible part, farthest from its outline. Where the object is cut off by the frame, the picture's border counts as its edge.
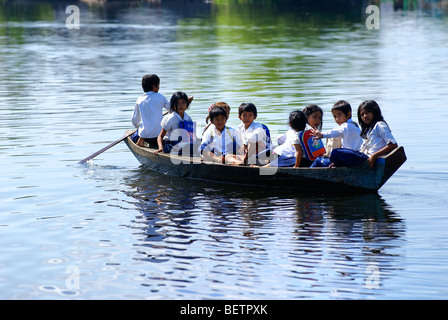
(106, 147)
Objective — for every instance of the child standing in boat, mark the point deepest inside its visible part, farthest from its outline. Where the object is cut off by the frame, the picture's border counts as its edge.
(148, 112)
(254, 135)
(378, 138)
(177, 127)
(221, 143)
(290, 153)
(347, 130)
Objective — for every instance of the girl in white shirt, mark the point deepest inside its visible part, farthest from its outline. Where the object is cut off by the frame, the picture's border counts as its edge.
(378, 138)
(177, 126)
(221, 143)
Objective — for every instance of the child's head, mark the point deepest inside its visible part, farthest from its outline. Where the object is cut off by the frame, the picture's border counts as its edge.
(179, 102)
(218, 116)
(341, 111)
(314, 115)
(369, 113)
(219, 104)
(150, 82)
(247, 112)
(297, 120)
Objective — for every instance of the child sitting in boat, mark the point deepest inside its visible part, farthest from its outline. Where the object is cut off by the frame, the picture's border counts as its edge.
(254, 135)
(216, 104)
(290, 153)
(314, 115)
(221, 143)
(148, 112)
(177, 128)
(378, 139)
(347, 130)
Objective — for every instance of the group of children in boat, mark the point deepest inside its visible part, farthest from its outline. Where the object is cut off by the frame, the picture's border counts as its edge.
(250, 144)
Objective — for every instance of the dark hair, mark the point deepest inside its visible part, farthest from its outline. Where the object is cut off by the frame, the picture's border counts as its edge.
(217, 111)
(218, 104)
(343, 106)
(297, 120)
(374, 108)
(149, 81)
(309, 109)
(248, 107)
(179, 95)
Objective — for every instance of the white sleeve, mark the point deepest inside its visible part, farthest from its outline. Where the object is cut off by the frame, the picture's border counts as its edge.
(136, 117)
(295, 138)
(166, 104)
(281, 139)
(385, 133)
(166, 123)
(337, 132)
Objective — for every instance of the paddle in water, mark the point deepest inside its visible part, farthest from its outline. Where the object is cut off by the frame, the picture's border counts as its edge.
(107, 147)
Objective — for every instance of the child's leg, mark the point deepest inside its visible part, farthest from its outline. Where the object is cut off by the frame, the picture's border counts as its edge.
(233, 159)
(140, 142)
(282, 161)
(321, 162)
(347, 158)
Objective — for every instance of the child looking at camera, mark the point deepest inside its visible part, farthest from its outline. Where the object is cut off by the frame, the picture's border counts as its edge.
(170, 135)
(347, 130)
(221, 143)
(378, 139)
(254, 135)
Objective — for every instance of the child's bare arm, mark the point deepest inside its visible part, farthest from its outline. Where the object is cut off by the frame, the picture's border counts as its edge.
(298, 155)
(379, 153)
(160, 141)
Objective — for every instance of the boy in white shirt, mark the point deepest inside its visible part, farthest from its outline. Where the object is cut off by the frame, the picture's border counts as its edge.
(148, 112)
(347, 130)
(253, 134)
(291, 152)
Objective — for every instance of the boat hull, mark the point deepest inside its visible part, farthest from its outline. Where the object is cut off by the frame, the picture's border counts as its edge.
(361, 178)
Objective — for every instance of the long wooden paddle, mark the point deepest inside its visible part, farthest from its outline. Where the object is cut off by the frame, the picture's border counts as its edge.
(106, 147)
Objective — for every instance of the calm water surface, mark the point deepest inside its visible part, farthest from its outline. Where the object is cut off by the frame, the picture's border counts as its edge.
(113, 230)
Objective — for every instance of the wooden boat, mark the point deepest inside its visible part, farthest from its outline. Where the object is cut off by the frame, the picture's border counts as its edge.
(361, 178)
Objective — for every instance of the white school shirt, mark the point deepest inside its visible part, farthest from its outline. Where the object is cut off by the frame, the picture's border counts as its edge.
(350, 135)
(148, 114)
(377, 138)
(287, 148)
(255, 133)
(171, 123)
(213, 139)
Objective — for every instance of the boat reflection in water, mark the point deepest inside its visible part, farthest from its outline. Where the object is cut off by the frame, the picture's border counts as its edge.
(222, 241)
